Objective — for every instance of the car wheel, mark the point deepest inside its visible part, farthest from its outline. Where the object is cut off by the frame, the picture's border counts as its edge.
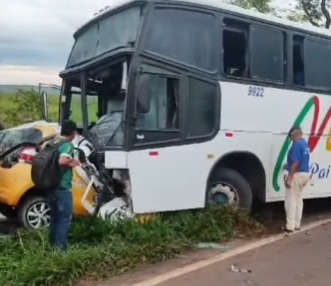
(228, 187)
(34, 213)
(8, 211)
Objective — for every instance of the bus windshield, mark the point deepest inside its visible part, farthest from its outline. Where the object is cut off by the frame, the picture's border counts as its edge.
(115, 31)
(109, 84)
(104, 105)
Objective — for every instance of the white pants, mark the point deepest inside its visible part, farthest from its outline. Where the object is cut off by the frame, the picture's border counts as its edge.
(294, 200)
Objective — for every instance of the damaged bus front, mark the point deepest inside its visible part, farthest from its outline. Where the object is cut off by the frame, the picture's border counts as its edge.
(99, 86)
(95, 91)
(127, 81)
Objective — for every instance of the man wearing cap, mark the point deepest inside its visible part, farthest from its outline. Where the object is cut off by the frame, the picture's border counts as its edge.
(297, 178)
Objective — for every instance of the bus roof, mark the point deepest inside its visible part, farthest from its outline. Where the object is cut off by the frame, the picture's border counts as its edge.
(218, 5)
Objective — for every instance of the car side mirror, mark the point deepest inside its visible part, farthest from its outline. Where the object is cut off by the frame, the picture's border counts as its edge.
(143, 94)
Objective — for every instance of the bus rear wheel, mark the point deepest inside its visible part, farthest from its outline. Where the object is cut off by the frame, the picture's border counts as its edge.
(229, 187)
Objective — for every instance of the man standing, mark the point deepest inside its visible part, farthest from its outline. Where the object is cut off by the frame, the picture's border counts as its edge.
(61, 198)
(297, 178)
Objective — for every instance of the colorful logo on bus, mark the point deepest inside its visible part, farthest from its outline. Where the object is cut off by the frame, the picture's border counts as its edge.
(313, 140)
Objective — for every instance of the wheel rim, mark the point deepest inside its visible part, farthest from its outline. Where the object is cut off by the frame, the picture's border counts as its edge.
(222, 193)
(38, 215)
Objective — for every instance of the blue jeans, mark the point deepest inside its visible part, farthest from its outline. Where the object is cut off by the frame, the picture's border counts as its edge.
(61, 211)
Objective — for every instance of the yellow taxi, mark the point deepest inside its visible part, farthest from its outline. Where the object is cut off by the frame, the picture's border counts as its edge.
(18, 197)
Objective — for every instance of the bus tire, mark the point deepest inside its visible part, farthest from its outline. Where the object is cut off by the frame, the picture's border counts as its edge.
(229, 187)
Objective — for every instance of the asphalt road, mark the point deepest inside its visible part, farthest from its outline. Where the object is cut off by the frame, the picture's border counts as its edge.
(299, 260)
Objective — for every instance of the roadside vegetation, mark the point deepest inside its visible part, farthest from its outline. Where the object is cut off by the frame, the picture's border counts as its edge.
(25, 106)
(21, 107)
(100, 249)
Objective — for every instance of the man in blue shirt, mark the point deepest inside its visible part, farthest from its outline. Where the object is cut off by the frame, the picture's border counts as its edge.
(297, 178)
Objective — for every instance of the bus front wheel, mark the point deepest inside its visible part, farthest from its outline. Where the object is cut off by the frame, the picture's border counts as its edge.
(228, 187)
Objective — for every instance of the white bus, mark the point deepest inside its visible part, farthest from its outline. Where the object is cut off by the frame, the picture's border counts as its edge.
(192, 101)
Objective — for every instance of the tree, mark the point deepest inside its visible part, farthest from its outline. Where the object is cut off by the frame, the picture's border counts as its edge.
(316, 12)
(263, 6)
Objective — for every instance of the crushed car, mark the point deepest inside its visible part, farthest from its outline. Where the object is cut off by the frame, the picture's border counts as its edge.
(94, 191)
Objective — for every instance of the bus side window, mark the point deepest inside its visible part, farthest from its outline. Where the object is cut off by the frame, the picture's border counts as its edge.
(164, 105)
(317, 59)
(235, 48)
(267, 53)
(202, 116)
(298, 61)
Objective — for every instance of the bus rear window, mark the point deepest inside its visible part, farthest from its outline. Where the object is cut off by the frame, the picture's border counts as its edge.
(184, 36)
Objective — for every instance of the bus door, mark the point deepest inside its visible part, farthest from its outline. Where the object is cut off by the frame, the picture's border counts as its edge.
(168, 168)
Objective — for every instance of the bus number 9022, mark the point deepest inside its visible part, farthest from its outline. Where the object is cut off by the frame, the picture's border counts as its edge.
(256, 91)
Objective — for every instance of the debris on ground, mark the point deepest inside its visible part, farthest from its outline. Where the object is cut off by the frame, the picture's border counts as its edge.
(235, 268)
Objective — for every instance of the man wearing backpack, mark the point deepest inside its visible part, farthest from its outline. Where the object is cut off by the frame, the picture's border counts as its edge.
(61, 201)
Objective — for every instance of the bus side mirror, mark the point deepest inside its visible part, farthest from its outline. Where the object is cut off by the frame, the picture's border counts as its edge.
(143, 94)
(44, 105)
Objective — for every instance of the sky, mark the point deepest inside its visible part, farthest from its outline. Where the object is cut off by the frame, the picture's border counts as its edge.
(36, 37)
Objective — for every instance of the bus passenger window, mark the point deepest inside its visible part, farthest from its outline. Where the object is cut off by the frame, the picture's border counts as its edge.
(298, 61)
(188, 38)
(163, 113)
(234, 49)
(317, 58)
(267, 54)
(202, 108)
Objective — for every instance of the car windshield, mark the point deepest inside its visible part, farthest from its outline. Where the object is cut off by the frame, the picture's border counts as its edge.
(10, 138)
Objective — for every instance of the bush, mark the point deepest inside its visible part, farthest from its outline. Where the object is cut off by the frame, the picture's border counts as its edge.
(25, 106)
(101, 249)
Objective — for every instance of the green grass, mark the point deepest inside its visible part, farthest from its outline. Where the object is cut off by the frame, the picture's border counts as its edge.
(8, 106)
(101, 250)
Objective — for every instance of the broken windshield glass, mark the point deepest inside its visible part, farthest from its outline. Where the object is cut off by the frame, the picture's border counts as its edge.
(10, 138)
(109, 85)
(108, 131)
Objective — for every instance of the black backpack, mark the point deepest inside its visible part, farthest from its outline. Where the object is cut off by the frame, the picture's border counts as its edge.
(46, 171)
